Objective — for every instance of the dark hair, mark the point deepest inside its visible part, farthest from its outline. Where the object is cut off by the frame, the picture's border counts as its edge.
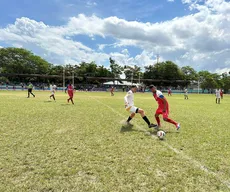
(152, 86)
(133, 86)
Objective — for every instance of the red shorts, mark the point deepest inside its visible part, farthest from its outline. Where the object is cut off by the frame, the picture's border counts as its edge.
(70, 93)
(160, 111)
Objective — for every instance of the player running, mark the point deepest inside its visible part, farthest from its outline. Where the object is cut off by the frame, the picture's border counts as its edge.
(30, 89)
(221, 93)
(169, 92)
(129, 106)
(185, 93)
(163, 107)
(111, 91)
(53, 90)
(218, 96)
(70, 90)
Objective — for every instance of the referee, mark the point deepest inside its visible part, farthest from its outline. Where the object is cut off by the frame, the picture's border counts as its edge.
(30, 88)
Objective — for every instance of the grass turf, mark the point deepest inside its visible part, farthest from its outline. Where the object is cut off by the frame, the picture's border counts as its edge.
(54, 146)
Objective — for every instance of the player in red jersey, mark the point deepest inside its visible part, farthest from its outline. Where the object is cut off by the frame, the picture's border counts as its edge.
(163, 107)
(111, 91)
(169, 92)
(70, 90)
(221, 93)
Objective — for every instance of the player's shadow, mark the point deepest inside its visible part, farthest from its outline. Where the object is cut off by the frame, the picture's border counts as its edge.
(47, 101)
(66, 104)
(129, 128)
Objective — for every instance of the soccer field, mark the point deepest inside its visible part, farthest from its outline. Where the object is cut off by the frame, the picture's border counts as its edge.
(55, 146)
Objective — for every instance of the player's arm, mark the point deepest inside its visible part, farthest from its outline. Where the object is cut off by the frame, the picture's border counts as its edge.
(164, 101)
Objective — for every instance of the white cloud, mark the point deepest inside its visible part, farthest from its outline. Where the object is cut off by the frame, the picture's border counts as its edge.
(200, 39)
(170, 0)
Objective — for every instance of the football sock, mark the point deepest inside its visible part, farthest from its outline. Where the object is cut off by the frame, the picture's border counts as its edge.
(158, 121)
(171, 121)
(129, 119)
(146, 120)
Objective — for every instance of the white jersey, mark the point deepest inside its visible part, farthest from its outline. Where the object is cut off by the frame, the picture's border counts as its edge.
(53, 88)
(186, 92)
(129, 98)
(217, 93)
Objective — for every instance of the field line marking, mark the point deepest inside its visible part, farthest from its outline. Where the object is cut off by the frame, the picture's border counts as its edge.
(184, 156)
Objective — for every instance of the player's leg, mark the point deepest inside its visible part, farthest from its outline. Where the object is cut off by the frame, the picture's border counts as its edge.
(158, 119)
(32, 93)
(28, 93)
(132, 115)
(71, 98)
(157, 114)
(167, 119)
(218, 100)
(145, 118)
(54, 98)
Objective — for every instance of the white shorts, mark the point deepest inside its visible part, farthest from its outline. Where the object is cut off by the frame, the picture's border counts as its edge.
(52, 92)
(132, 109)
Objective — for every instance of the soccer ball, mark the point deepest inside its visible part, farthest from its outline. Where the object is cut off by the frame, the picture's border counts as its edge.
(161, 134)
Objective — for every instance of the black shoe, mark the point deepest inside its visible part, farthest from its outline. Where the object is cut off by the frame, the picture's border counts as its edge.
(152, 125)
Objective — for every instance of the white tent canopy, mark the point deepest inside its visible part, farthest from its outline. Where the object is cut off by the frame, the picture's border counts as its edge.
(125, 83)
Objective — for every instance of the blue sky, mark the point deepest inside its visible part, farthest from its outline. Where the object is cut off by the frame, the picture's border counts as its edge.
(188, 32)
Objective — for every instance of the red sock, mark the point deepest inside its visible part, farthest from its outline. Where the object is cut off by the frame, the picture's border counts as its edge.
(158, 121)
(171, 121)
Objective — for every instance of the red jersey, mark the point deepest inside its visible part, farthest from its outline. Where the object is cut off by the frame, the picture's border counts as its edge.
(221, 93)
(159, 98)
(70, 87)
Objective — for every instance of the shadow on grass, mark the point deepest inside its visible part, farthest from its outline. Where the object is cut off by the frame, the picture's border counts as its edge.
(129, 128)
(49, 101)
(66, 104)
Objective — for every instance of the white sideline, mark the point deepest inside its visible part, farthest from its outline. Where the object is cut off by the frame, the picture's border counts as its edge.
(184, 156)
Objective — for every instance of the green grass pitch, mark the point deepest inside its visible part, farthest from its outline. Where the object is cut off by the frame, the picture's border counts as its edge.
(54, 146)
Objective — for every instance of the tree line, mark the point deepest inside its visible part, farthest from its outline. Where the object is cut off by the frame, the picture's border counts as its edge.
(14, 62)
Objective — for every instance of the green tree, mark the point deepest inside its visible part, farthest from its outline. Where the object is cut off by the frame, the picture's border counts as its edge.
(163, 71)
(133, 72)
(22, 61)
(189, 73)
(208, 80)
(116, 70)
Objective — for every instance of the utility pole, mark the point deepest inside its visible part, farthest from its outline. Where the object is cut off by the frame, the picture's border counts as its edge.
(158, 58)
(73, 78)
(63, 77)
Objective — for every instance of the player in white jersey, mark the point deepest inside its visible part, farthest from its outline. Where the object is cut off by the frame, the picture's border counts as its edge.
(53, 90)
(218, 96)
(185, 93)
(129, 106)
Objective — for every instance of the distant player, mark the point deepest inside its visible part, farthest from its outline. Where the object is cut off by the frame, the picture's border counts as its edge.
(221, 93)
(163, 107)
(185, 93)
(53, 90)
(70, 90)
(129, 106)
(218, 96)
(111, 91)
(169, 92)
(30, 89)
